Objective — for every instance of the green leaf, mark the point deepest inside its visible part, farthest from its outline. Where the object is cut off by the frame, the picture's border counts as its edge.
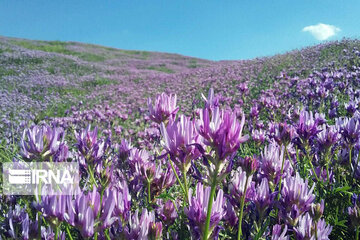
(262, 230)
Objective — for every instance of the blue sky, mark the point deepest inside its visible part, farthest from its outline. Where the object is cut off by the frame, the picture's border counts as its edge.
(207, 29)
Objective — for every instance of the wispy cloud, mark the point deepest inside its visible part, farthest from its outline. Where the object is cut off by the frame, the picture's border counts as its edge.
(322, 31)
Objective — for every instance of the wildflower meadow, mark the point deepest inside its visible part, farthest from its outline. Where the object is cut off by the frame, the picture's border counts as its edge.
(173, 147)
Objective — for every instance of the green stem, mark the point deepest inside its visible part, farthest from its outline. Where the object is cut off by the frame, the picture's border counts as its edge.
(68, 232)
(327, 166)
(185, 184)
(242, 209)
(39, 226)
(56, 233)
(281, 173)
(327, 174)
(149, 191)
(211, 200)
(101, 198)
(299, 161)
(178, 179)
(313, 170)
(357, 233)
(310, 163)
(107, 234)
(350, 156)
(92, 176)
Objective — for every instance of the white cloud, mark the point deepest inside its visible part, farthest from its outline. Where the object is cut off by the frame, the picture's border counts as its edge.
(322, 31)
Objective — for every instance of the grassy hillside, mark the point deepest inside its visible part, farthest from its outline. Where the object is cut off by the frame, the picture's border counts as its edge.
(41, 79)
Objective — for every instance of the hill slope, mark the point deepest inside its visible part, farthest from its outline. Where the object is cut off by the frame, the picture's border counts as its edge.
(40, 79)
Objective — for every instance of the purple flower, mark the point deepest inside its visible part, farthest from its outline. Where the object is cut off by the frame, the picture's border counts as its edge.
(163, 179)
(307, 126)
(62, 154)
(91, 148)
(282, 133)
(296, 197)
(143, 227)
(295, 191)
(137, 157)
(323, 230)
(249, 165)
(222, 132)
(124, 149)
(354, 210)
(306, 229)
(53, 206)
(254, 111)
(270, 164)
(41, 142)
(180, 138)
(237, 186)
(350, 107)
(211, 102)
(317, 210)
(334, 102)
(263, 198)
(167, 212)
(328, 137)
(116, 205)
(277, 234)
(18, 221)
(197, 211)
(155, 230)
(82, 211)
(349, 129)
(243, 88)
(258, 136)
(230, 216)
(332, 113)
(140, 166)
(164, 109)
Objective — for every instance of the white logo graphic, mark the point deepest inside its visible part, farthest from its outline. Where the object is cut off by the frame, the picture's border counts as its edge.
(19, 176)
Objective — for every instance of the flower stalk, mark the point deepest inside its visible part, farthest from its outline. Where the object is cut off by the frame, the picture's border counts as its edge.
(209, 208)
(281, 174)
(177, 178)
(242, 209)
(185, 184)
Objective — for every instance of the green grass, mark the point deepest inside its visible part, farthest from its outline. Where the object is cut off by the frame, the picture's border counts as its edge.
(3, 50)
(68, 66)
(55, 110)
(59, 47)
(161, 68)
(63, 91)
(21, 61)
(137, 80)
(51, 70)
(132, 52)
(7, 72)
(98, 81)
(331, 52)
(192, 64)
